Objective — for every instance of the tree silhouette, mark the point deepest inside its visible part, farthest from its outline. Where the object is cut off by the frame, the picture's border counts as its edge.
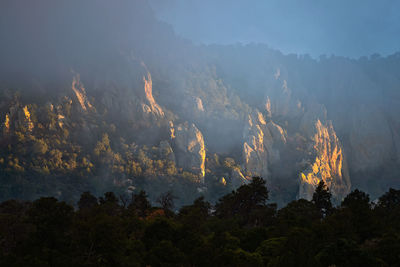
(243, 202)
(166, 201)
(140, 204)
(87, 201)
(390, 200)
(322, 199)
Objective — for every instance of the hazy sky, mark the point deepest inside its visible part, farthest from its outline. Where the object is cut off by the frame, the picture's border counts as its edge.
(342, 27)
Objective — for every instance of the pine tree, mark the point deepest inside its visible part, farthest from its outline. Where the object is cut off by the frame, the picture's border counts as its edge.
(322, 199)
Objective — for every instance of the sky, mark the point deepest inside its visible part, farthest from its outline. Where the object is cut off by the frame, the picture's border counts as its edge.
(350, 28)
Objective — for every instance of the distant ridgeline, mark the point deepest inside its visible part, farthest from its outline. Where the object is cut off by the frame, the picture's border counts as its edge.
(122, 104)
(242, 229)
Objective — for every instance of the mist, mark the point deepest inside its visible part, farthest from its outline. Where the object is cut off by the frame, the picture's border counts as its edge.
(199, 133)
(343, 28)
(198, 97)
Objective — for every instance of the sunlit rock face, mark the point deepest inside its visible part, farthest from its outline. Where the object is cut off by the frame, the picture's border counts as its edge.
(150, 106)
(266, 110)
(80, 93)
(193, 107)
(326, 163)
(255, 157)
(189, 148)
(322, 157)
(277, 133)
(18, 117)
(262, 144)
(276, 141)
(6, 124)
(237, 179)
(57, 110)
(129, 92)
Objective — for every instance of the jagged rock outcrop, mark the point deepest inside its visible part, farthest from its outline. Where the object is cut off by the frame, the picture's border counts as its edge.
(6, 125)
(255, 157)
(18, 117)
(24, 118)
(276, 141)
(279, 100)
(166, 151)
(217, 87)
(193, 107)
(61, 119)
(189, 148)
(237, 179)
(80, 93)
(277, 133)
(326, 163)
(130, 93)
(314, 113)
(150, 106)
(199, 104)
(262, 144)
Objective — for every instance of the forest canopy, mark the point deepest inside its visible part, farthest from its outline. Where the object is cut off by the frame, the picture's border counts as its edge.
(242, 229)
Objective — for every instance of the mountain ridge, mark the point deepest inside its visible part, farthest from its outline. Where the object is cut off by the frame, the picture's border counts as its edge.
(147, 110)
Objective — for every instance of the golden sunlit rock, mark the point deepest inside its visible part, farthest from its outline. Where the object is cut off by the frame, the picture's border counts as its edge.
(190, 152)
(327, 165)
(80, 93)
(152, 104)
(7, 124)
(28, 122)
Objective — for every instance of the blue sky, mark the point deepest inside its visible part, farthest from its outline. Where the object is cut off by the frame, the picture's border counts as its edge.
(350, 28)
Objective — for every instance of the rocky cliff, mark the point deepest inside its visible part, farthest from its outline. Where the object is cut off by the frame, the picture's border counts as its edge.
(190, 149)
(144, 109)
(262, 144)
(18, 117)
(326, 163)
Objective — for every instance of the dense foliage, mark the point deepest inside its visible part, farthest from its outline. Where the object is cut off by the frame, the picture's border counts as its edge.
(242, 229)
(59, 150)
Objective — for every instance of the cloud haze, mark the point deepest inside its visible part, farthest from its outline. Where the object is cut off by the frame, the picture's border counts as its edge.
(348, 28)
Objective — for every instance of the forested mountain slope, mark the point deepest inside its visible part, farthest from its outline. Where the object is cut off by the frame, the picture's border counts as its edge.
(114, 100)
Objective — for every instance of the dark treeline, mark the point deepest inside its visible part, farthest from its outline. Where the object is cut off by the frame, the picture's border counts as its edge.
(242, 229)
